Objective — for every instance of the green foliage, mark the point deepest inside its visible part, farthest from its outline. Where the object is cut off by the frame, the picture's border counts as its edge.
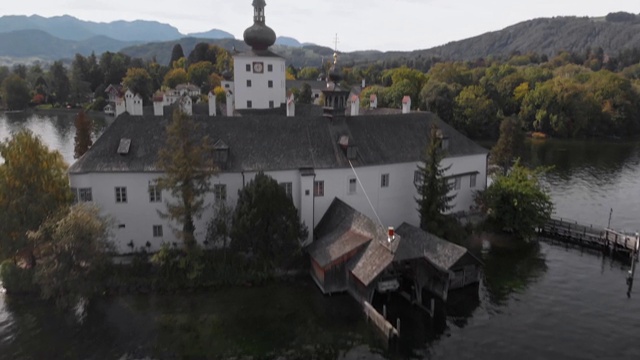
(176, 54)
(15, 93)
(175, 77)
(309, 73)
(17, 280)
(517, 202)
(139, 82)
(74, 250)
(82, 139)
(59, 83)
(434, 190)
(219, 227)
(33, 186)
(305, 94)
(199, 74)
(510, 145)
(185, 161)
(475, 113)
(266, 224)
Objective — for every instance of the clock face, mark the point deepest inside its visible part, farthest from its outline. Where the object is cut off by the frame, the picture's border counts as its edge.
(258, 67)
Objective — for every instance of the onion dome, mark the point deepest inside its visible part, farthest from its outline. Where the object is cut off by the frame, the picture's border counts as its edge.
(259, 36)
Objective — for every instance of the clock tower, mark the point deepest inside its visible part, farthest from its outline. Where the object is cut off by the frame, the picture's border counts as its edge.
(259, 74)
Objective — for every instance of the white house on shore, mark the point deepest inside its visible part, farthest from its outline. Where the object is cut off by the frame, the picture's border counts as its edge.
(367, 161)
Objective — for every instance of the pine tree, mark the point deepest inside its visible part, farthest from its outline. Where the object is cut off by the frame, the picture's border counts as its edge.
(509, 146)
(185, 162)
(433, 188)
(83, 135)
(176, 54)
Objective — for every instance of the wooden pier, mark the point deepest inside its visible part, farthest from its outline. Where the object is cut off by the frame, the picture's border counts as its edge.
(606, 240)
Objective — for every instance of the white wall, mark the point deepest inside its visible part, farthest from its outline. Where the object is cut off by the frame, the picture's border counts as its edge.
(259, 93)
(394, 204)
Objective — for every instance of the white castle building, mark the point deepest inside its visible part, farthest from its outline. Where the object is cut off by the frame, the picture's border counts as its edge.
(367, 161)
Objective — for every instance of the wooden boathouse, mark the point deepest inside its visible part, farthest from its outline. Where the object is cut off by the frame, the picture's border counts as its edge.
(354, 254)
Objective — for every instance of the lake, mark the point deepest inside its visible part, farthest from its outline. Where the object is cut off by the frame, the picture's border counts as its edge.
(542, 302)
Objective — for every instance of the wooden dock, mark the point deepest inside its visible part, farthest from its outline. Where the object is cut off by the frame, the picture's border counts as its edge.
(606, 240)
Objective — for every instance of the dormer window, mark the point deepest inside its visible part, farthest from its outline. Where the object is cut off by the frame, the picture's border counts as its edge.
(221, 154)
(352, 152)
(444, 140)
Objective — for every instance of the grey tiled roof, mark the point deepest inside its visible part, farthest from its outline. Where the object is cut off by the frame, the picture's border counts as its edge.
(276, 142)
(442, 253)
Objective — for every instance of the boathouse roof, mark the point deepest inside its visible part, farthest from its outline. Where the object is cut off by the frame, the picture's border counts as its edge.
(273, 142)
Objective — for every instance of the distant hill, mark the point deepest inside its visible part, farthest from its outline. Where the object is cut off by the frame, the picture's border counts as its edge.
(212, 34)
(37, 43)
(70, 28)
(547, 36)
(287, 41)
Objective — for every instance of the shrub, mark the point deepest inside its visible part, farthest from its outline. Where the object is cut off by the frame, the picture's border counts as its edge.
(17, 280)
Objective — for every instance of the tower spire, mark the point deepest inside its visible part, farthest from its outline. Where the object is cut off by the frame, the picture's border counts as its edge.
(259, 36)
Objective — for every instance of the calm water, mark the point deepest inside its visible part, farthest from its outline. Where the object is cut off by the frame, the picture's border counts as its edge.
(544, 302)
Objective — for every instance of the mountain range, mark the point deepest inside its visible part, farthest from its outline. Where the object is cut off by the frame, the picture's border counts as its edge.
(36, 37)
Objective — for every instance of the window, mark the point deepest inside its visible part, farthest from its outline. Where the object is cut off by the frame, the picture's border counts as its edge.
(270, 84)
(472, 181)
(352, 186)
(248, 83)
(288, 189)
(157, 231)
(384, 180)
(249, 104)
(271, 104)
(270, 68)
(248, 67)
(85, 195)
(417, 177)
(457, 183)
(220, 192)
(318, 188)
(155, 194)
(74, 191)
(226, 86)
(121, 195)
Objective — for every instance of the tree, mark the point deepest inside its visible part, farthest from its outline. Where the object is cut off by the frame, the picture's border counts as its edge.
(33, 185)
(198, 75)
(175, 77)
(176, 54)
(219, 227)
(75, 255)
(266, 223)
(309, 73)
(203, 52)
(184, 159)
(517, 202)
(305, 94)
(59, 84)
(15, 93)
(139, 82)
(510, 145)
(83, 135)
(433, 188)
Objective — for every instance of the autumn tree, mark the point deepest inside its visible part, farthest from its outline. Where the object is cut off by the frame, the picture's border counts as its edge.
(266, 224)
(185, 161)
(175, 77)
(510, 145)
(309, 73)
(434, 197)
(33, 185)
(138, 81)
(83, 135)
(198, 74)
(15, 93)
(74, 255)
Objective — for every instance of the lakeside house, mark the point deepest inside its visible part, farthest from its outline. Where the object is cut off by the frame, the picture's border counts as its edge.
(340, 166)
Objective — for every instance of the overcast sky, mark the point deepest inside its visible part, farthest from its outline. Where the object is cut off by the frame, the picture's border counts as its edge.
(360, 24)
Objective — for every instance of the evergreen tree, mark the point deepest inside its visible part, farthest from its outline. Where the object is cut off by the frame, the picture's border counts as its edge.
(176, 54)
(305, 94)
(184, 159)
(15, 93)
(60, 84)
(266, 224)
(83, 135)
(433, 188)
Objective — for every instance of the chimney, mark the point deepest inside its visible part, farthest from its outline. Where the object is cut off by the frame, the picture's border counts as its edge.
(230, 103)
(406, 105)
(373, 101)
(291, 105)
(212, 104)
(364, 83)
(158, 105)
(391, 234)
(355, 105)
